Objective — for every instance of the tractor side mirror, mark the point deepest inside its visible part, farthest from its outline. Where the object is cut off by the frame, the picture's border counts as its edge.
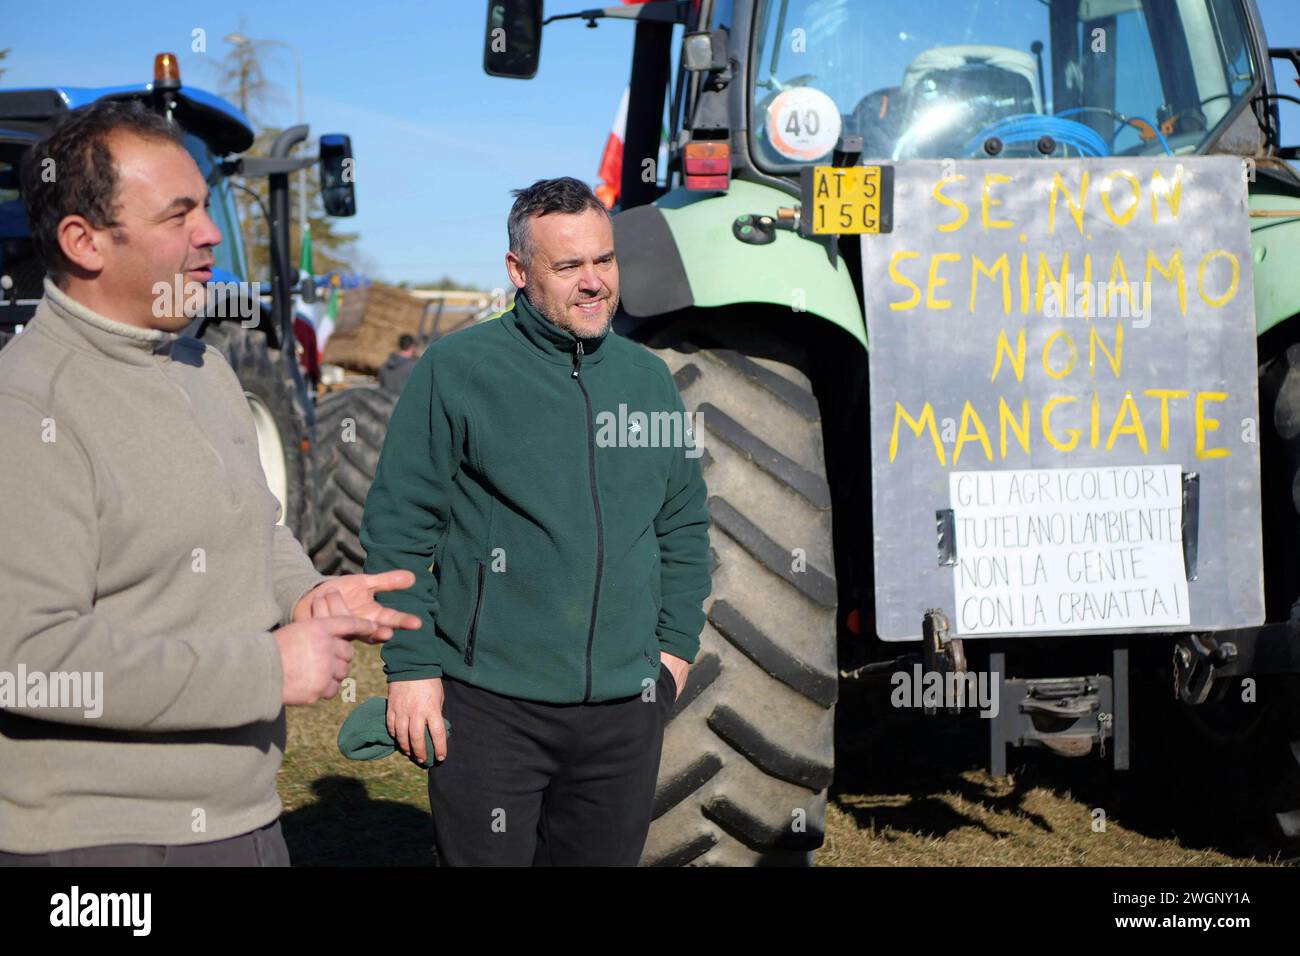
(1292, 54)
(512, 42)
(337, 175)
(704, 52)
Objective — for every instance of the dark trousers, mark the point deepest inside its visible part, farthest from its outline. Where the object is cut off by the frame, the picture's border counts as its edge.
(527, 783)
(262, 847)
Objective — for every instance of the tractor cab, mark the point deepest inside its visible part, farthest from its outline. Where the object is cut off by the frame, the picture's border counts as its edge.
(212, 129)
(940, 89)
(766, 87)
(1065, 78)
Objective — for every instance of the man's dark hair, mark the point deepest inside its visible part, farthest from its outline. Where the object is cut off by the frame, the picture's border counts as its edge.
(565, 194)
(70, 171)
(405, 341)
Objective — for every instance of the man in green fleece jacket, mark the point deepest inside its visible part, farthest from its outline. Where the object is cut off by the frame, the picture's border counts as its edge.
(156, 618)
(542, 481)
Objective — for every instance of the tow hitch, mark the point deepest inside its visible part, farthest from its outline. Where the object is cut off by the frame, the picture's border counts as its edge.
(1066, 715)
(941, 653)
(1196, 659)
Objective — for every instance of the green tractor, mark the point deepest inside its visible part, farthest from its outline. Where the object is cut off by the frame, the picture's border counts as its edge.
(808, 143)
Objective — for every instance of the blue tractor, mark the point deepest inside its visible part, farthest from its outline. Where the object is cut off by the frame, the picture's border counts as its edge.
(275, 362)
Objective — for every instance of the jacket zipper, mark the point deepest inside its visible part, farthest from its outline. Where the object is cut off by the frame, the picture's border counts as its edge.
(595, 503)
(473, 624)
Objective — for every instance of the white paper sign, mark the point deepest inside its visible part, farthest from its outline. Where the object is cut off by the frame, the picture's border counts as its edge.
(1068, 549)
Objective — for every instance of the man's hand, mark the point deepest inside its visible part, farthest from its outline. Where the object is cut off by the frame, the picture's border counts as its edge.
(412, 706)
(357, 592)
(316, 655)
(678, 667)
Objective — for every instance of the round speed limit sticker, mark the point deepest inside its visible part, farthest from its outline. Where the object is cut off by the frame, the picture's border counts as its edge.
(803, 123)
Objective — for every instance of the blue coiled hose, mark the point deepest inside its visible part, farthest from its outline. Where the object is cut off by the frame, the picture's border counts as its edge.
(1030, 127)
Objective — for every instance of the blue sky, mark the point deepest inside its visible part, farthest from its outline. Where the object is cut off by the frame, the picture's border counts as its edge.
(438, 144)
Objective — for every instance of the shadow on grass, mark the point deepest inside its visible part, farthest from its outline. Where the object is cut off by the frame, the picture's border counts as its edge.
(886, 753)
(345, 827)
(880, 752)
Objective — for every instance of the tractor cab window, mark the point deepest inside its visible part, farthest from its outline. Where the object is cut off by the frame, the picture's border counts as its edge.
(229, 254)
(18, 259)
(930, 79)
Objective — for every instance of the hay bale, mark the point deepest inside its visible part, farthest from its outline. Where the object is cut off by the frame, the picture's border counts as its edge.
(369, 322)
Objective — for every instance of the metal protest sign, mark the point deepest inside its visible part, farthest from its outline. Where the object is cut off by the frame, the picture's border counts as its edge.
(1064, 404)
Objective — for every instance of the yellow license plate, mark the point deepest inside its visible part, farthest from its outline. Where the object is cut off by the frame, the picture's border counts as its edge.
(842, 200)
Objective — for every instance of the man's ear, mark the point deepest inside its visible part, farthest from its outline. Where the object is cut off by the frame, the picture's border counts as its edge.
(517, 271)
(79, 242)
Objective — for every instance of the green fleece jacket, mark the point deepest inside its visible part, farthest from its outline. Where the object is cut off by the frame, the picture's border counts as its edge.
(547, 494)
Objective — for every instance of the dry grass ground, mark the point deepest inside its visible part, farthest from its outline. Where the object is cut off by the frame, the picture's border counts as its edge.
(977, 820)
(351, 812)
(908, 791)
(912, 790)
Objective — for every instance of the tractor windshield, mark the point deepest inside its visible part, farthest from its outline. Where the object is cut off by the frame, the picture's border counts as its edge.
(933, 79)
(229, 253)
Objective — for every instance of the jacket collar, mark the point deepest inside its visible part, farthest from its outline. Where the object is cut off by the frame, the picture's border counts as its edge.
(552, 342)
(68, 320)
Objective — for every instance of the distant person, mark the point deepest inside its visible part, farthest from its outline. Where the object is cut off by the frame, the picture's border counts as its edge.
(394, 372)
(144, 574)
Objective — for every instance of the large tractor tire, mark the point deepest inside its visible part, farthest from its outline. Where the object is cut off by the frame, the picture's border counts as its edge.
(331, 410)
(749, 749)
(350, 429)
(1254, 744)
(1229, 769)
(283, 433)
(1276, 738)
(1236, 762)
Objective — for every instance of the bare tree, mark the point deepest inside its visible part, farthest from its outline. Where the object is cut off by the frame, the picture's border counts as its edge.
(241, 76)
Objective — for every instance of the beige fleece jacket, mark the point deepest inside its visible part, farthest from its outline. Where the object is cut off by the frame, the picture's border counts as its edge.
(138, 540)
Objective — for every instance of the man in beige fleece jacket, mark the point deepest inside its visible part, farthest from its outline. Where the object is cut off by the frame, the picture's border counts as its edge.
(142, 565)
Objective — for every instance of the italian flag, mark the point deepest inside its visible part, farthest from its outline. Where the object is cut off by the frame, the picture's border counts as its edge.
(611, 162)
(305, 271)
(325, 326)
